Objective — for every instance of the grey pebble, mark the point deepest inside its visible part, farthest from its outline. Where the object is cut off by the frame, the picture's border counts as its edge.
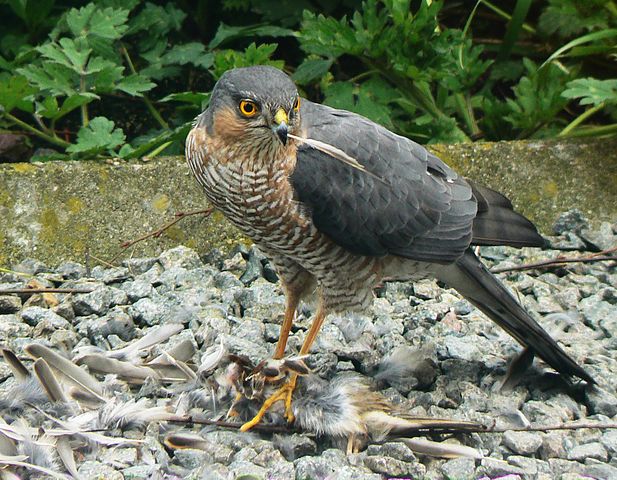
(9, 304)
(459, 469)
(180, 257)
(294, 446)
(523, 443)
(580, 453)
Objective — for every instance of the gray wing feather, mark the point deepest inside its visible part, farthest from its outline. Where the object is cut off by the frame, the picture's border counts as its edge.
(422, 209)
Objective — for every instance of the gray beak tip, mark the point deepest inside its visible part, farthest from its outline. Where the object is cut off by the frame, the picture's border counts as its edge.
(281, 132)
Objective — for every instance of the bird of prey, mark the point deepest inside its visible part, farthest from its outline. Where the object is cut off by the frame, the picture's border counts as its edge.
(355, 206)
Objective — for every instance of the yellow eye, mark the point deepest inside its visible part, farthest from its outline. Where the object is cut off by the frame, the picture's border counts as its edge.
(297, 105)
(248, 108)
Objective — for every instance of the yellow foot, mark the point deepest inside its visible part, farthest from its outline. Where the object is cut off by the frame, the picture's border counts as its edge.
(283, 393)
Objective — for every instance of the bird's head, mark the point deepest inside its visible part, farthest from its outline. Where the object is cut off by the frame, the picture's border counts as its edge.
(254, 107)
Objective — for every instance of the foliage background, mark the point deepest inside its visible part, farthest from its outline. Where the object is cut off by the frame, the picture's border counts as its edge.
(125, 78)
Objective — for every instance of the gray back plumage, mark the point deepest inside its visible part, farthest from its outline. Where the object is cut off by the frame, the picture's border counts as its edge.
(422, 209)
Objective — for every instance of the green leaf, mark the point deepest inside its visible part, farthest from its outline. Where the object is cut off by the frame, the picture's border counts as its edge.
(193, 53)
(537, 99)
(194, 98)
(253, 55)
(135, 85)
(369, 99)
(98, 137)
(567, 18)
(311, 69)
(77, 19)
(227, 33)
(592, 91)
(49, 108)
(178, 134)
(14, 93)
(54, 78)
(591, 37)
(109, 23)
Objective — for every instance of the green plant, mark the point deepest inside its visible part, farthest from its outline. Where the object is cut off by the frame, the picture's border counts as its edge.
(102, 54)
(126, 78)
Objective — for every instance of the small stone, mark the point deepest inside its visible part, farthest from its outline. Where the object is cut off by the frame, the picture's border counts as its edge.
(9, 304)
(137, 289)
(139, 472)
(110, 275)
(97, 470)
(601, 401)
(31, 267)
(553, 445)
(397, 450)
(391, 467)
(580, 453)
(459, 469)
(523, 443)
(323, 466)
(560, 466)
(191, 458)
(294, 446)
(570, 221)
(493, 468)
(462, 348)
(34, 315)
(426, 289)
(253, 269)
(234, 264)
(603, 238)
(65, 310)
(137, 266)
(115, 322)
(595, 310)
(180, 257)
(602, 471)
(98, 301)
(242, 470)
(147, 312)
(226, 280)
(609, 440)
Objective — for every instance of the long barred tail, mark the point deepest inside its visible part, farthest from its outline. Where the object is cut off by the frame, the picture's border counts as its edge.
(474, 281)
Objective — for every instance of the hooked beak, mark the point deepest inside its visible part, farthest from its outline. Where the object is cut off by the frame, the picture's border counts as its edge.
(280, 125)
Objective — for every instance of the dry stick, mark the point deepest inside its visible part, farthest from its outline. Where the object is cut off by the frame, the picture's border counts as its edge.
(32, 291)
(157, 233)
(423, 430)
(602, 256)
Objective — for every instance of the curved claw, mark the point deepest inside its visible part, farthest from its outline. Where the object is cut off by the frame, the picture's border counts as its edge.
(285, 393)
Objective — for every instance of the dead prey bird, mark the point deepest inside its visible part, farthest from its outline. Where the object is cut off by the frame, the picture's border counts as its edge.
(338, 220)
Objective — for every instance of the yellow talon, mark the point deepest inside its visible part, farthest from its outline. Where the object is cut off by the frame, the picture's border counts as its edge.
(284, 393)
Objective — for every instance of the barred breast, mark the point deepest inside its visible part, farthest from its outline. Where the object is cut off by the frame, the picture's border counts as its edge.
(256, 196)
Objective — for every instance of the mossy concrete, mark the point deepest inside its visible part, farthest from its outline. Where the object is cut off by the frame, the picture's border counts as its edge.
(62, 211)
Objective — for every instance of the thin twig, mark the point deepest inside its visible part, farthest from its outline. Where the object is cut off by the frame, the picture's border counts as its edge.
(423, 430)
(32, 291)
(235, 425)
(157, 233)
(602, 256)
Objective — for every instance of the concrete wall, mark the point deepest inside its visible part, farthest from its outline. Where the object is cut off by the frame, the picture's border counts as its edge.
(62, 211)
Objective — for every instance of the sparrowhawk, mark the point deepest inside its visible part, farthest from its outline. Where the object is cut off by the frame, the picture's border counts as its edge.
(338, 231)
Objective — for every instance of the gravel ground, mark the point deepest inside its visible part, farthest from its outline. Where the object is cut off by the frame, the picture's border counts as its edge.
(453, 360)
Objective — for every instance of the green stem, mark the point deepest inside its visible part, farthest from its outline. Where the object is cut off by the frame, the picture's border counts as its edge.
(611, 7)
(158, 150)
(580, 119)
(54, 140)
(507, 16)
(84, 108)
(149, 105)
(595, 131)
(463, 105)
